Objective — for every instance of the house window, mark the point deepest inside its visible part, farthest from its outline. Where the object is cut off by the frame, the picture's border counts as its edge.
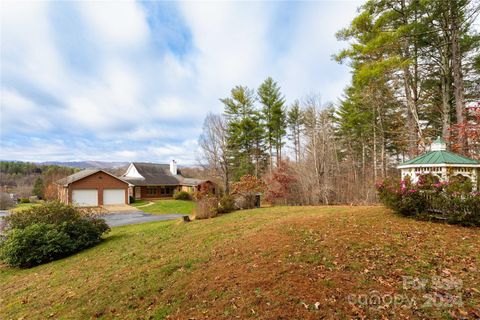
(166, 190)
(151, 190)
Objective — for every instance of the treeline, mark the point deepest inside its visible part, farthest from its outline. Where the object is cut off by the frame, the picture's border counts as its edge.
(416, 75)
(28, 179)
(295, 148)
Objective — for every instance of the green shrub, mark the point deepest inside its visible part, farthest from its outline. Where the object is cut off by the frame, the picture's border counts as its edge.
(24, 200)
(459, 184)
(463, 209)
(132, 199)
(182, 195)
(36, 244)
(53, 212)
(226, 204)
(48, 232)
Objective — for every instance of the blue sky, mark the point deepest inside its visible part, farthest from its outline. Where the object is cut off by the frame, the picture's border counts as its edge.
(133, 81)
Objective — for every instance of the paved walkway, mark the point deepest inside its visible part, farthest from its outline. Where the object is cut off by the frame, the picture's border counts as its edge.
(126, 218)
(146, 205)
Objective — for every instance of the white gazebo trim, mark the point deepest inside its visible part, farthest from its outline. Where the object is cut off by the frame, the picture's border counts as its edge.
(450, 165)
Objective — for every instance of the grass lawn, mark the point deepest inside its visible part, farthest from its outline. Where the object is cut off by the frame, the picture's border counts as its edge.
(269, 263)
(166, 206)
(23, 206)
(138, 203)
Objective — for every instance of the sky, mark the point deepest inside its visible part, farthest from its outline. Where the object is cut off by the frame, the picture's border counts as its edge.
(133, 81)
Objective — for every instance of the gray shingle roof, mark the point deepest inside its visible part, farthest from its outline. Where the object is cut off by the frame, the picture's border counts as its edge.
(159, 174)
(82, 174)
(192, 182)
(77, 176)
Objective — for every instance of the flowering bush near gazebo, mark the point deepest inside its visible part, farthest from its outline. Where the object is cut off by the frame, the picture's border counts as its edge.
(438, 184)
(449, 201)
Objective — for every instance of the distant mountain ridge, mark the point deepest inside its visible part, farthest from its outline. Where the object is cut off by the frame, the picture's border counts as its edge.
(88, 164)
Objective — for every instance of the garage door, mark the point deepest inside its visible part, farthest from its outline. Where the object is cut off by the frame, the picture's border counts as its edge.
(85, 198)
(113, 196)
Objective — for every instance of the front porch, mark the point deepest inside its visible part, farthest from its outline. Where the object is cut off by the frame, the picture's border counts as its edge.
(153, 192)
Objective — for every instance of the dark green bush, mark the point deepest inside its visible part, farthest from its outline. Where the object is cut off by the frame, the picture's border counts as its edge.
(49, 231)
(226, 204)
(460, 208)
(459, 184)
(53, 212)
(24, 200)
(132, 199)
(182, 195)
(36, 244)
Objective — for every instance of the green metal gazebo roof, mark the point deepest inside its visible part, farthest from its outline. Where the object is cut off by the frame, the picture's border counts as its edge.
(440, 157)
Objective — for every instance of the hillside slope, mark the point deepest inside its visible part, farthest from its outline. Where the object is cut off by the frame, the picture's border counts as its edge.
(271, 263)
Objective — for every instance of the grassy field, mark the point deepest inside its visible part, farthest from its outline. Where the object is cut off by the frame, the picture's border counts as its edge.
(270, 263)
(166, 206)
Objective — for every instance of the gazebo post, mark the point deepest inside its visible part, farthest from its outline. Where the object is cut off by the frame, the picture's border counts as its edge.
(474, 179)
(444, 174)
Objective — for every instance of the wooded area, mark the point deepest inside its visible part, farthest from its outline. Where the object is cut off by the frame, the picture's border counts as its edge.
(26, 179)
(415, 76)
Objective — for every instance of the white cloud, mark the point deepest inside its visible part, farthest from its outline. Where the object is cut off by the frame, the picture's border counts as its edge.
(21, 113)
(27, 45)
(231, 42)
(116, 24)
(140, 102)
(179, 152)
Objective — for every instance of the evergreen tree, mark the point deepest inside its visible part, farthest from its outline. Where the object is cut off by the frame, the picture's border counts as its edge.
(274, 114)
(38, 188)
(245, 132)
(422, 52)
(294, 122)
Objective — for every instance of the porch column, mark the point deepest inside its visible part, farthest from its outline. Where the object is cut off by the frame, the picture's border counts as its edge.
(474, 179)
(444, 174)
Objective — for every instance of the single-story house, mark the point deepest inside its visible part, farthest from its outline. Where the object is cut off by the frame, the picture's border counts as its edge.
(91, 188)
(155, 181)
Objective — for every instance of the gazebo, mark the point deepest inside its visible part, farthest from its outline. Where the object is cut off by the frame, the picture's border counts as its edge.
(442, 164)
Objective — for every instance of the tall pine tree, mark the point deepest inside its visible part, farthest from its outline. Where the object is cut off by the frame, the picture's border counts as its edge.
(245, 133)
(274, 114)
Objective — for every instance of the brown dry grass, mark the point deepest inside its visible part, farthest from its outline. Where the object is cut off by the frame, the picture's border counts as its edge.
(273, 263)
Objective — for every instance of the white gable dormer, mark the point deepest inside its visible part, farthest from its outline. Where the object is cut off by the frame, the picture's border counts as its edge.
(132, 172)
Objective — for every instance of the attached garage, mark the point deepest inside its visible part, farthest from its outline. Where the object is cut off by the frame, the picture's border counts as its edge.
(91, 188)
(113, 196)
(85, 198)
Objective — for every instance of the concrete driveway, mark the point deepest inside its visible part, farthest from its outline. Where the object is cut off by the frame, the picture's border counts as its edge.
(116, 219)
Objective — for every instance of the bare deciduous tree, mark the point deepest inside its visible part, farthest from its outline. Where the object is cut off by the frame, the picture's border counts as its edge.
(213, 144)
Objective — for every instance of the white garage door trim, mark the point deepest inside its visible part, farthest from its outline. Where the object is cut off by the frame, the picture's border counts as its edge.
(113, 196)
(85, 197)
